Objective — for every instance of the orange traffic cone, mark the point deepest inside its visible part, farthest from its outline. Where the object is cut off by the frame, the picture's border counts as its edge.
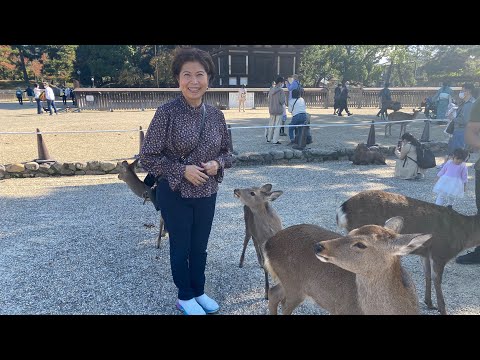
(43, 155)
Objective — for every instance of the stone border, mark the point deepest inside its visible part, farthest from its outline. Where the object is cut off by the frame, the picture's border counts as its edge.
(287, 156)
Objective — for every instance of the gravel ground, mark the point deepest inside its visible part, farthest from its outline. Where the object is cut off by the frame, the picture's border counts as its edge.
(68, 247)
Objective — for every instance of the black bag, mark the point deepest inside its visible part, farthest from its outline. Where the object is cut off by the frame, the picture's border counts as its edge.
(425, 157)
(450, 127)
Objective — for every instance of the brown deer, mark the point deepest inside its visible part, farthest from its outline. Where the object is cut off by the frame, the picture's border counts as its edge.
(399, 116)
(360, 273)
(127, 173)
(366, 156)
(261, 220)
(451, 232)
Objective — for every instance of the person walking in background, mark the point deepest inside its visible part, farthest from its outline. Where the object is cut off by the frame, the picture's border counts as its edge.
(242, 97)
(72, 97)
(452, 179)
(186, 149)
(406, 165)
(344, 99)
(442, 98)
(30, 94)
(472, 138)
(276, 107)
(37, 92)
(63, 94)
(385, 98)
(50, 96)
(19, 95)
(336, 98)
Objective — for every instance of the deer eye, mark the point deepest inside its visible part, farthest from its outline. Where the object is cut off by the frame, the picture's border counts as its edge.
(360, 245)
(252, 193)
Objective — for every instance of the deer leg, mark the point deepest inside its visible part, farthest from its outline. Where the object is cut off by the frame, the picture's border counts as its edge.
(245, 243)
(428, 281)
(290, 304)
(437, 269)
(161, 232)
(275, 295)
(266, 284)
(163, 229)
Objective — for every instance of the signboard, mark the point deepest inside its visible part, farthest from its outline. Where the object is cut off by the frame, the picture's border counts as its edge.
(89, 97)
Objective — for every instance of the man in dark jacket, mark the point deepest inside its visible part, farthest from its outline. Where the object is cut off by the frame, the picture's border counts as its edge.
(385, 98)
(336, 98)
(343, 99)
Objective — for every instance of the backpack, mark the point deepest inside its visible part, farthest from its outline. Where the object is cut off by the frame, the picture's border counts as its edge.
(19, 93)
(425, 157)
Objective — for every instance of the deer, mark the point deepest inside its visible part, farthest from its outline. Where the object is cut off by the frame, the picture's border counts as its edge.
(357, 274)
(389, 105)
(366, 156)
(261, 220)
(129, 176)
(451, 231)
(399, 116)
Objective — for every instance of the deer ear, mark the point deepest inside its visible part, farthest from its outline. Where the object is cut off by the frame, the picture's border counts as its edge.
(266, 188)
(394, 224)
(406, 243)
(274, 195)
(133, 164)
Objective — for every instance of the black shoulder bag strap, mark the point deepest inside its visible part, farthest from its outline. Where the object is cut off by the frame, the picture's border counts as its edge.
(183, 158)
(294, 104)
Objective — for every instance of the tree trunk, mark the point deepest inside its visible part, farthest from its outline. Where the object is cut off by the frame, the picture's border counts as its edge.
(22, 63)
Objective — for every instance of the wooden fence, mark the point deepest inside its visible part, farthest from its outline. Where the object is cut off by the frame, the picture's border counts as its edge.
(151, 98)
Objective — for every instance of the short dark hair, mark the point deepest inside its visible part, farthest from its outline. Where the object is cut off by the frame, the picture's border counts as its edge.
(470, 87)
(280, 79)
(188, 54)
(295, 94)
(460, 153)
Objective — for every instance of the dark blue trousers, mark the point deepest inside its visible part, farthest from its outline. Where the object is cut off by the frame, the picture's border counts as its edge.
(189, 222)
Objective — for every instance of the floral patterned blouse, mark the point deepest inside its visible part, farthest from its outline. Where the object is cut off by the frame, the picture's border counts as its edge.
(173, 132)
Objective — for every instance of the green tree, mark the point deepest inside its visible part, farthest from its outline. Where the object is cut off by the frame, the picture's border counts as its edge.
(103, 62)
(343, 62)
(455, 63)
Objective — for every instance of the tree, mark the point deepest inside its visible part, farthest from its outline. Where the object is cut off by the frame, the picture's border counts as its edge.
(102, 62)
(344, 62)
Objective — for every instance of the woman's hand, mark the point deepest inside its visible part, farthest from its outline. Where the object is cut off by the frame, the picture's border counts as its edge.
(195, 174)
(211, 167)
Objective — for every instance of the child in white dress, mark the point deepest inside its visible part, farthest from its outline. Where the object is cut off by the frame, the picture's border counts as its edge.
(452, 179)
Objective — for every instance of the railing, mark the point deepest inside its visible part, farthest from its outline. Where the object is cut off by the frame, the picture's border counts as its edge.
(151, 98)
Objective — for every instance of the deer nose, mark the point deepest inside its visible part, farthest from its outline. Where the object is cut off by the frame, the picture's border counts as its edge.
(319, 248)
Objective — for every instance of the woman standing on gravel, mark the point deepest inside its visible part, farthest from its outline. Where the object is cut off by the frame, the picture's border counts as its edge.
(186, 149)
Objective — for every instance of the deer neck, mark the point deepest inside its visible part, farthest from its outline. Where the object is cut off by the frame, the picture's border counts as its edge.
(267, 222)
(390, 291)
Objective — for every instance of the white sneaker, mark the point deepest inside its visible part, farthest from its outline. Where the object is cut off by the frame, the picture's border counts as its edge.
(189, 307)
(209, 305)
